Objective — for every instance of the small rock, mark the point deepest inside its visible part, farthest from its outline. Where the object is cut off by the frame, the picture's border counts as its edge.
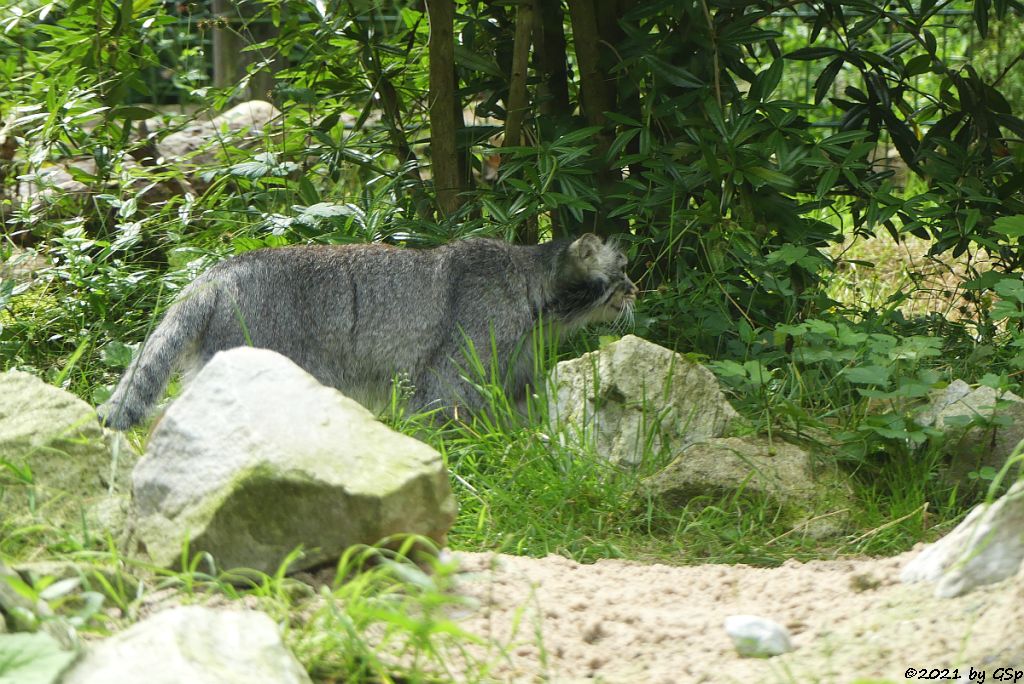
(757, 637)
(633, 396)
(988, 546)
(55, 439)
(192, 644)
(981, 427)
(200, 145)
(783, 473)
(21, 265)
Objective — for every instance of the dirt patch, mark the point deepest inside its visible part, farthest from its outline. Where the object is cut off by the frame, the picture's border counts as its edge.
(619, 621)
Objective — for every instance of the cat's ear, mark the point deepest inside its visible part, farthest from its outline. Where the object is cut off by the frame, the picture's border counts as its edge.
(585, 248)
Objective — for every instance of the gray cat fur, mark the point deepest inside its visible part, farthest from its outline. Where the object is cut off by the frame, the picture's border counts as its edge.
(357, 317)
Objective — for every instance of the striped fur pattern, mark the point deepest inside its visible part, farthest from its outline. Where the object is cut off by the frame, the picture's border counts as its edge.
(357, 317)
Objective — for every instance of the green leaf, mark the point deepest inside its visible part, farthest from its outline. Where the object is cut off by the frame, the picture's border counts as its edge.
(921, 64)
(468, 59)
(821, 327)
(767, 81)
(774, 178)
(729, 369)
(788, 254)
(868, 375)
(250, 169)
(623, 119)
(312, 215)
(889, 426)
(307, 192)
(849, 337)
(912, 388)
(981, 16)
(576, 136)
(916, 347)
(757, 373)
(812, 53)
(132, 113)
(826, 78)
(826, 182)
(117, 354)
(1011, 289)
(32, 659)
(263, 164)
(1010, 226)
(620, 142)
(1004, 309)
(675, 75)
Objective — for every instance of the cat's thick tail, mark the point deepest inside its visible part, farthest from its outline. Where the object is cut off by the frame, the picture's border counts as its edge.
(174, 339)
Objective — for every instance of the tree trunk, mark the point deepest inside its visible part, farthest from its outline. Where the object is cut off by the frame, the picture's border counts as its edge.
(517, 99)
(516, 105)
(596, 98)
(552, 95)
(549, 51)
(236, 26)
(445, 113)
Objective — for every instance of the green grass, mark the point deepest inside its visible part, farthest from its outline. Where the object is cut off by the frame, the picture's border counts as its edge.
(523, 489)
(375, 616)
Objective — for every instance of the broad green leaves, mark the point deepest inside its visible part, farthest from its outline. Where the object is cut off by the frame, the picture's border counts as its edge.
(261, 165)
(27, 658)
(877, 365)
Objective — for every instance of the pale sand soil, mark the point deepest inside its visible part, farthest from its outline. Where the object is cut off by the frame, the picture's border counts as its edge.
(623, 622)
(933, 284)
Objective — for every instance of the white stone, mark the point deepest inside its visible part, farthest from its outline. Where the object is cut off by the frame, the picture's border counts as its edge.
(757, 637)
(192, 644)
(988, 546)
(981, 428)
(814, 495)
(632, 396)
(256, 458)
(57, 437)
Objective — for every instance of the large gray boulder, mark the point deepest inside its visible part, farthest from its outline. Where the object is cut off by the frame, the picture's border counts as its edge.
(981, 427)
(988, 546)
(192, 644)
(633, 396)
(256, 458)
(54, 440)
(814, 495)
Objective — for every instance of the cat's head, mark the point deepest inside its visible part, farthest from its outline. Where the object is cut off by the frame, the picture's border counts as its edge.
(595, 281)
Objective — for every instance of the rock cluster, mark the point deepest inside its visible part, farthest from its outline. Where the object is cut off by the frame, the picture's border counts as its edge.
(256, 459)
(253, 461)
(632, 398)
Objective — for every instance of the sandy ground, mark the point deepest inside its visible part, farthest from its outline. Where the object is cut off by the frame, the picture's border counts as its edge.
(618, 621)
